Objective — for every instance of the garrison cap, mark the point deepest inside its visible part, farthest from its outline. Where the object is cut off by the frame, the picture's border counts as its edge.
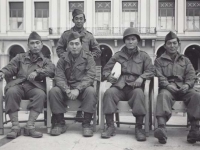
(73, 36)
(77, 12)
(171, 35)
(34, 36)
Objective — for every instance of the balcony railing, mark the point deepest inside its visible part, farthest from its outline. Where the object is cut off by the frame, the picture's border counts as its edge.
(106, 31)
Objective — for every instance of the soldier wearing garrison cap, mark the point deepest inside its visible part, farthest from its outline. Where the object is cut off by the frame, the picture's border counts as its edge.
(75, 74)
(176, 80)
(89, 42)
(30, 69)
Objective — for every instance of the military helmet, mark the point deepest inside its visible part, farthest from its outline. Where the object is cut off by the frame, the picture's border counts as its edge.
(131, 31)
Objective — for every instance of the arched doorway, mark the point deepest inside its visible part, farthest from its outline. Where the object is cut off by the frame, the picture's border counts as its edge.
(105, 55)
(193, 53)
(14, 50)
(46, 52)
(160, 51)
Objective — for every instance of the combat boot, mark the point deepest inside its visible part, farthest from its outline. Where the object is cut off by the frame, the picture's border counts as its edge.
(31, 132)
(110, 130)
(59, 126)
(87, 130)
(194, 133)
(161, 134)
(15, 131)
(140, 133)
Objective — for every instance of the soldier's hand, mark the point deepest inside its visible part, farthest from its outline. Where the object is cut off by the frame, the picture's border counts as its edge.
(138, 82)
(172, 88)
(74, 94)
(184, 88)
(2, 75)
(111, 79)
(32, 76)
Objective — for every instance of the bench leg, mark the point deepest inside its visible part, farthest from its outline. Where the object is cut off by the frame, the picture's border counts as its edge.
(117, 119)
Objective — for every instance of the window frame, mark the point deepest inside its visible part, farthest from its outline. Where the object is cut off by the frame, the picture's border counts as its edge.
(159, 17)
(8, 16)
(34, 13)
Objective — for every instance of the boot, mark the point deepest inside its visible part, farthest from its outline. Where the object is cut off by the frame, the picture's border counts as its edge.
(29, 130)
(139, 132)
(110, 130)
(59, 127)
(79, 116)
(194, 133)
(15, 131)
(53, 120)
(86, 127)
(161, 134)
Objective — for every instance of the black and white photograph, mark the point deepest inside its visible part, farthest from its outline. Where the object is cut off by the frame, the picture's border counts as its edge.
(99, 74)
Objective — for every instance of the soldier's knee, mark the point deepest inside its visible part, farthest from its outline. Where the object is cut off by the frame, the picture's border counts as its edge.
(110, 92)
(164, 94)
(12, 92)
(90, 90)
(54, 91)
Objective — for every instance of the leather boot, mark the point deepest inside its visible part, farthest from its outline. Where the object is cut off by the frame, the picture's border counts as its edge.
(161, 134)
(29, 130)
(194, 133)
(53, 120)
(139, 132)
(15, 131)
(60, 126)
(79, 116)
(110, 130)
(87, 130)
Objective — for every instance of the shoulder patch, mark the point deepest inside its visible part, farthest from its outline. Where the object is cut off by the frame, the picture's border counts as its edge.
(144, 52)
(66, 31)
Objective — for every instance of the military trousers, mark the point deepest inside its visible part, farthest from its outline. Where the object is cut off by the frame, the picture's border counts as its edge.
(134, 96)
(166, 100)
(15, 94)
(58, 99)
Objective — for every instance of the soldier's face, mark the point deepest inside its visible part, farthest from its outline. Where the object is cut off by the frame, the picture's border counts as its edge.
(172, 46)
(79, 20)
(35, 46)
(131, 41)
(75, 47)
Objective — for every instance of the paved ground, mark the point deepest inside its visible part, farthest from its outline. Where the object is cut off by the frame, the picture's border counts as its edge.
(124, 140)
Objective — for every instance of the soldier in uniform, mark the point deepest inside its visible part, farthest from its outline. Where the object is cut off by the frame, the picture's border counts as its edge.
(89, 43)
(30, 69)
(176, 80)
(136, 67)
(75, 74)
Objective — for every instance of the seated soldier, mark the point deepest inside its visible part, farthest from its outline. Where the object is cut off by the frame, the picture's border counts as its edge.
(30, 69)
(176, 80)
(74, 77)
(136, 67)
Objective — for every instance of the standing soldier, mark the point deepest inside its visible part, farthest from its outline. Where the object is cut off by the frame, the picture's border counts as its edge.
(176, 80)
(30, 69)
(89, 42)
(75, 74)
(136, 67)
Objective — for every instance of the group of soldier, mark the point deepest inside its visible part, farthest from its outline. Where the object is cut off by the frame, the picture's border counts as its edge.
(75, 73)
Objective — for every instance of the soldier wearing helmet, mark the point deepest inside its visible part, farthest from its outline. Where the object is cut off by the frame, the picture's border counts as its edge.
(136, 66)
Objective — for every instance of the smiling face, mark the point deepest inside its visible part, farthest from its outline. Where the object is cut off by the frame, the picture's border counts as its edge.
(75, 46)
(79, 20)
(131, 42)
(172, 46)
(35, 46)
